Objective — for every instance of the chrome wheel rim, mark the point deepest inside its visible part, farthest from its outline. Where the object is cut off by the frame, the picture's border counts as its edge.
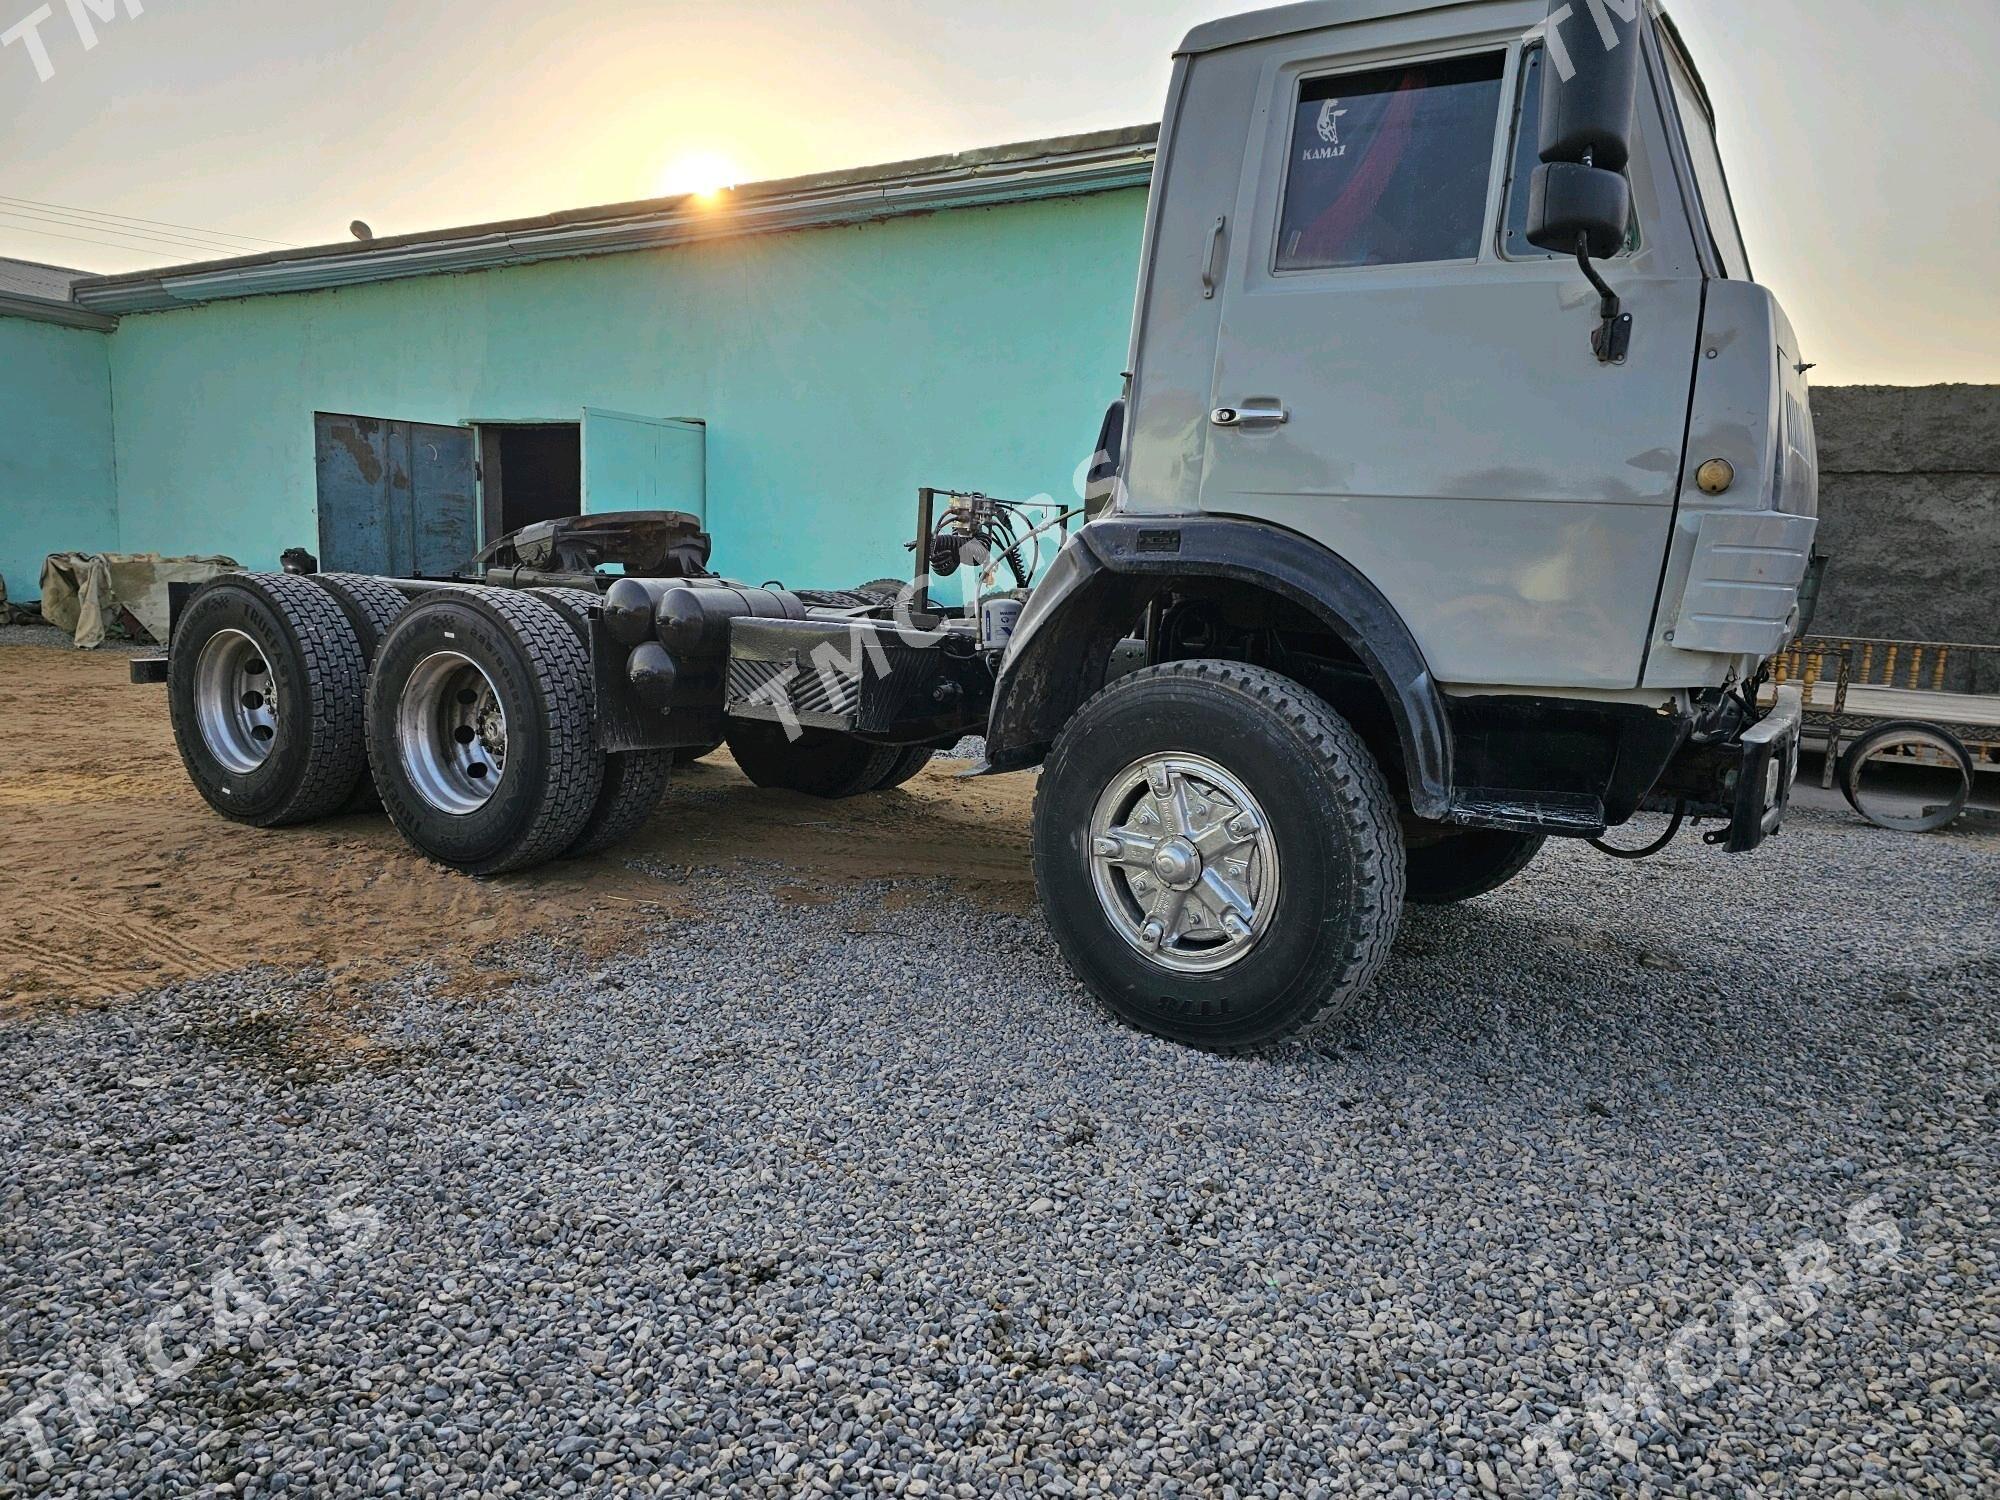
(236, 701)
(1184, 863)
(451, 733)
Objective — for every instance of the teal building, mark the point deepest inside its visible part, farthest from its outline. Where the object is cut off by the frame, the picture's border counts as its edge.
(793, 360)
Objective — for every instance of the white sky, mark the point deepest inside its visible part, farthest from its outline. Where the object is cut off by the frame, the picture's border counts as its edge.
(1861, 134)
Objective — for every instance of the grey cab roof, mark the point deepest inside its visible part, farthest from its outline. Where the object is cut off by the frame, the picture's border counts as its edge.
(1288, 20)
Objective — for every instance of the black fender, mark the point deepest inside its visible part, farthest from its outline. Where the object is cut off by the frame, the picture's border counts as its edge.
(1104, 579)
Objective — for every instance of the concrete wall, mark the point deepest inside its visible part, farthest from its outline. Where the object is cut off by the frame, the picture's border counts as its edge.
(58, 490)
(1910, 496)
(838, 371)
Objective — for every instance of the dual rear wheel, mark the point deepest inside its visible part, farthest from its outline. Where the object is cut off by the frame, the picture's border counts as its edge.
(480, 734)
(265, 688)
(467, 714)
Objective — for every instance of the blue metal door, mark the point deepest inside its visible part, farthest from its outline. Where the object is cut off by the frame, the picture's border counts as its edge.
(399, 499)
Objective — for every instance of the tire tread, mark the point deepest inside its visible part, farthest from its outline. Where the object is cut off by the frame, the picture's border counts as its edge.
(335, 674)
(1355, 780)
(561, 664)
(377, 605)
(372, 608)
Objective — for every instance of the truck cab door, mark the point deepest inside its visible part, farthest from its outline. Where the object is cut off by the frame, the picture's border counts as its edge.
(1400, 377)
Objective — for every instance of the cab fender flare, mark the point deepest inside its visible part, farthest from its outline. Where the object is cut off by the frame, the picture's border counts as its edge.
(1060, 654)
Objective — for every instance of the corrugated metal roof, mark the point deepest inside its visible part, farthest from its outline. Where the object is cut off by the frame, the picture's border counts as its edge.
(41, 294)
(1069, 166)
(29, 278)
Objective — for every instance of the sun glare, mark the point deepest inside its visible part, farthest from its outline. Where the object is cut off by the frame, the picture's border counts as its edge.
(706, 175)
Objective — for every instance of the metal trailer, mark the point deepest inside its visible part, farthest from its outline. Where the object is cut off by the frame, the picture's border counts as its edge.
(1873, 705)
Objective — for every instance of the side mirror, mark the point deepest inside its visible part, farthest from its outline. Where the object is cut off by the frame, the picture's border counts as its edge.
(1579, 199)
(1579, 202)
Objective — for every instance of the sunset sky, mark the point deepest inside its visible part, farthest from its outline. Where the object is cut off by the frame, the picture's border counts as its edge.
(1861, 134)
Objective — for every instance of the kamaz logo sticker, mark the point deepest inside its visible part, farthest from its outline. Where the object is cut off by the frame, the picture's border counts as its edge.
(1330, 116)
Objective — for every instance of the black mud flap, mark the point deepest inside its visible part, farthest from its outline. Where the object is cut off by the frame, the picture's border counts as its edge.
(689, 717)
(1769, 770)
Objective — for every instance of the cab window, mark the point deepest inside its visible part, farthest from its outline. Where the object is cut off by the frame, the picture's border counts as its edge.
(1390, 167)
(1698, 125)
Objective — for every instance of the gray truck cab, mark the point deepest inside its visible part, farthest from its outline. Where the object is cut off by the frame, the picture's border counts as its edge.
(1344, 332)
(1530, 521)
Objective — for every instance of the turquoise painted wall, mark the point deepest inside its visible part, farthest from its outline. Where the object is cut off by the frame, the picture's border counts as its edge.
(58, 491)
(838, 370)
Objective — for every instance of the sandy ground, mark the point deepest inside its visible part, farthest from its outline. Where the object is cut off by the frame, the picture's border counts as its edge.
(115, 877)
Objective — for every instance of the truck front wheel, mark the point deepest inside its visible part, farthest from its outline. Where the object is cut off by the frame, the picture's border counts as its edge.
(1466, 866)
(1219, 856)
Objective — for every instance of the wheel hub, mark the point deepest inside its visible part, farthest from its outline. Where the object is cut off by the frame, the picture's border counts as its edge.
(236, 701)
(1178, 864)
(1185, 863)
(451, 734)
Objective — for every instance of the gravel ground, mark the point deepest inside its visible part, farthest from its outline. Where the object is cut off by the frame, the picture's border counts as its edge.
(48, 635)
(860, 1195)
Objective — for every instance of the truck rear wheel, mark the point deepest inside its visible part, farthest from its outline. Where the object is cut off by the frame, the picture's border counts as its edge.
(819, 763)
(372, 608)
(1219, 856)
(1467, 866)
(479, 731)
(908, 767)
(265, 690)
(635, 781)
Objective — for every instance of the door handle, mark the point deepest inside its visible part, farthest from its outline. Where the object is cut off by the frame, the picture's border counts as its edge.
(1211, 271)
(1250, 416)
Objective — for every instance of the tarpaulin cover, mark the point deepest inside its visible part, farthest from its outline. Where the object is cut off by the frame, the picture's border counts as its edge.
(11, 614)
(94, 595)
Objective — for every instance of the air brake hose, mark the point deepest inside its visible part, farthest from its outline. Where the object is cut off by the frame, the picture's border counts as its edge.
(1658, 846)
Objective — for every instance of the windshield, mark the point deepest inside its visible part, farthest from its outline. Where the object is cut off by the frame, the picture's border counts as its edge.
(1709, 176)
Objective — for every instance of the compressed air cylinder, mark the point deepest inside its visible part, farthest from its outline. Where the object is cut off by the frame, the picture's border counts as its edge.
(629, 606)
(654, 674)
(695, 622)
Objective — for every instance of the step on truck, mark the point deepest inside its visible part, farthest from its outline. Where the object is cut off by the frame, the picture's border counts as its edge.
(1463, 488)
